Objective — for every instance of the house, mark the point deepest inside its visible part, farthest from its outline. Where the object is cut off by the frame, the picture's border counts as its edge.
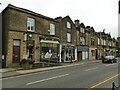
(68, 37)
(82, 48)
(92, 42)
(118, 47)
(27, 34)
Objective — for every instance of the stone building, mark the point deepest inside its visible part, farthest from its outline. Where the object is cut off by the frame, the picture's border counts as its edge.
(82, 48)
(68, 37)
(91, 42)
(118, 47)
(27, 34)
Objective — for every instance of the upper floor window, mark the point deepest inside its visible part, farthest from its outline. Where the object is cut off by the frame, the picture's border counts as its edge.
(98, 41)
(82, 30)
(52, 29)
(92, 42)
(110, 44)
(68, 25)
(68, 37)
(104, 42)
(82, 41)
(30, 24)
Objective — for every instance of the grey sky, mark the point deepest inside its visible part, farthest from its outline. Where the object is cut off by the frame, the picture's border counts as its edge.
(101, 14)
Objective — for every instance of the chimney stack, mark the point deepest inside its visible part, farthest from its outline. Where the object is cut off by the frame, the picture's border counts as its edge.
(77, 22)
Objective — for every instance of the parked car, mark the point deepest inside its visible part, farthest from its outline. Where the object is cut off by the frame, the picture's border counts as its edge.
(109, 59)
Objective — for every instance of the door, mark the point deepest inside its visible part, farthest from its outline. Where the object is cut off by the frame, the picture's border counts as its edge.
(79, 55)
(96, 55)
(16, 51)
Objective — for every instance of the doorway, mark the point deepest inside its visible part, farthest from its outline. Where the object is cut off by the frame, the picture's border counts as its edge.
(16, 51)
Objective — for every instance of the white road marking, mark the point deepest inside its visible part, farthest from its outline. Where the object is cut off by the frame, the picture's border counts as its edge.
(47, 79)
(91, 69)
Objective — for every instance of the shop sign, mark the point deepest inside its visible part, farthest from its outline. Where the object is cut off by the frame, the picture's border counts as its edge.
(30, 43)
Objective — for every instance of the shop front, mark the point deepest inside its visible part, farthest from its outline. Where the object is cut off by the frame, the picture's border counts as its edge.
(93, 53)
(82, 53)
(49, 51)
(100, 53)
(68, 53)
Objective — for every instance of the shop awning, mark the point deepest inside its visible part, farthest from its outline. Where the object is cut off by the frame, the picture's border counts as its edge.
(49, 41)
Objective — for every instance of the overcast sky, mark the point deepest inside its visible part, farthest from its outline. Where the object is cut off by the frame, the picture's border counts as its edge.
(101, 14)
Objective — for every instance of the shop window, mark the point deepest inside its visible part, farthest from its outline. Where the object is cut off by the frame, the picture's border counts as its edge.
(49, 51)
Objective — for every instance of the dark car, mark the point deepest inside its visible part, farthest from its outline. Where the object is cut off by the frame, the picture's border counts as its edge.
(109, 59)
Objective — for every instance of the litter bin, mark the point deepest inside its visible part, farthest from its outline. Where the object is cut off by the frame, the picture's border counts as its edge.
(3, 61)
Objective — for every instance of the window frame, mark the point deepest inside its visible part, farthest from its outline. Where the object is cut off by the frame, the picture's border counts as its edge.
(52, 29)
(68, 25)
(68, 37)
(31, 24)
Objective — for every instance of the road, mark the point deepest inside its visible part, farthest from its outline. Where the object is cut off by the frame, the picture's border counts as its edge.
(92, 75)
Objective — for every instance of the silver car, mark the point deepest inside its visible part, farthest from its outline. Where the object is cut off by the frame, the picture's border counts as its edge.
(109, 59)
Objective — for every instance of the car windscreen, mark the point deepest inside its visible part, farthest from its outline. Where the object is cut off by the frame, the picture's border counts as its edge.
(109, 57)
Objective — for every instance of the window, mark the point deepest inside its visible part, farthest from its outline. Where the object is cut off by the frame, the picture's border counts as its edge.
(68, 25)
(52, 29)
(68, 37)
(82, 30)
(30, 24)
(93, 52)
(92, 42)
(82, 41)
(104, 42)
(16, 42)
(98, 41)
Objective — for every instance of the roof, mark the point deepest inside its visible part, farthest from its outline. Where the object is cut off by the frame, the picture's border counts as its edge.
(28, 11)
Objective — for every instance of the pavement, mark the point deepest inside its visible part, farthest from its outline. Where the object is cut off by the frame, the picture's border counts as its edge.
(10, 72)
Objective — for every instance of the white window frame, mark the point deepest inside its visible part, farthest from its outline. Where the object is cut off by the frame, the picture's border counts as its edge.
(16, 42)
(68, 37)
(68, 25)
(82, 30)
(82, 40)
(52, 29)
(31, 24)
(98, 41)
(104, 42)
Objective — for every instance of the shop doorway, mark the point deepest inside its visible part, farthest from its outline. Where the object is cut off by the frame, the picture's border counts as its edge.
(30, 49)
(30, 52)
(79, 55)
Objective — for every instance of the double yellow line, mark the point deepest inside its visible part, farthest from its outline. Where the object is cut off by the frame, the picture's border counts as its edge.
(102, 82)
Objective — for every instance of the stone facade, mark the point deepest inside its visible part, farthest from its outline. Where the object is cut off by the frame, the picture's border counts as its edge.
(26, 34)
(15, 28)
(67, 39)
